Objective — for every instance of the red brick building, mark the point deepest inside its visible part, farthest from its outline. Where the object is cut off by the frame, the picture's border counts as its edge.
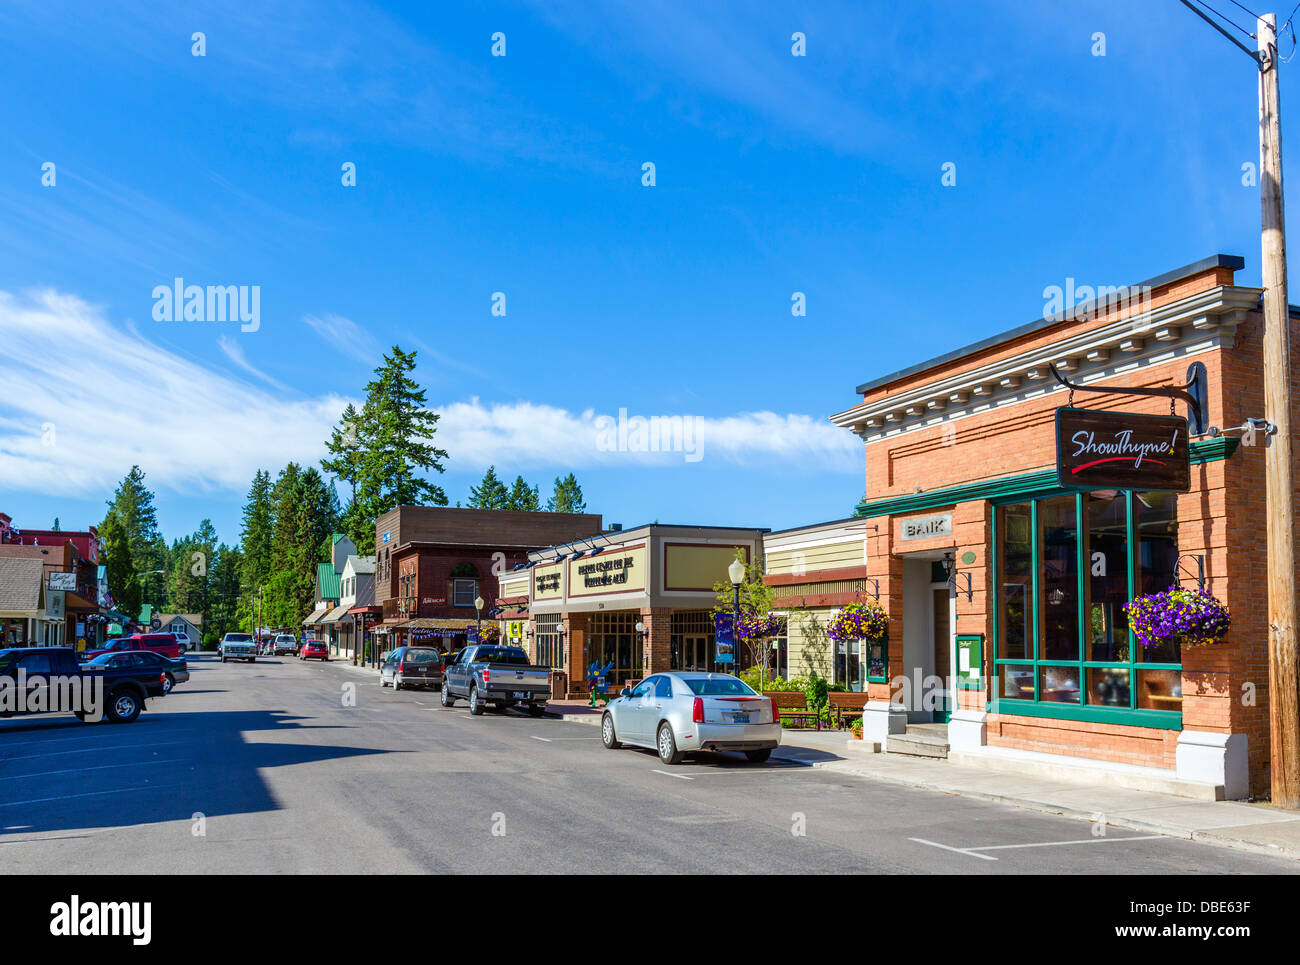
(961, 486)
(432, 562)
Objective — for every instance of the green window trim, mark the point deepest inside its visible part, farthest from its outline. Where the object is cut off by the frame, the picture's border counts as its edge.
(1159, 719)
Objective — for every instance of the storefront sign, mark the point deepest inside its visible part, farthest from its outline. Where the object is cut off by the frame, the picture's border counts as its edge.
(434, 601)
(613, 571)
(54, 604)
(923, 527)
(619, 570)
(63, 581)
(1121, 450)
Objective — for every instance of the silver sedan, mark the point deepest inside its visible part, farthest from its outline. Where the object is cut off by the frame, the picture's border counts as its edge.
(675, 713)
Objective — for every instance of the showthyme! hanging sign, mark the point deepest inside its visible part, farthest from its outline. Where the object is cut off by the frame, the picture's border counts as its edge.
(1121, 450)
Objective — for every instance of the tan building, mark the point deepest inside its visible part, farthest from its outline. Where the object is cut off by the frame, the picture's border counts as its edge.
(639, 600)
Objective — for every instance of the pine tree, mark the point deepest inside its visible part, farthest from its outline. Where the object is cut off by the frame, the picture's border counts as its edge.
(345, 446)
(223, 608)
(395, 432)
(523, 497)
(567, 497)
(490, 493)
(55, 527)
(133, 548)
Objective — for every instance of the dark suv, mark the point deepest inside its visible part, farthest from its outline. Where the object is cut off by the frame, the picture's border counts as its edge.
(412, 667)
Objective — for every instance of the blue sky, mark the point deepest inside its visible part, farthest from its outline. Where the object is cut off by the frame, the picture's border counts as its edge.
(522, 174)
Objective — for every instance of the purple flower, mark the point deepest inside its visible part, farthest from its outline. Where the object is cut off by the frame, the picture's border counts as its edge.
(1193, 615)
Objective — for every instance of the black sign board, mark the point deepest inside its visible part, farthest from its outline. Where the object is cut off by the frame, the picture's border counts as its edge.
(1121, 450)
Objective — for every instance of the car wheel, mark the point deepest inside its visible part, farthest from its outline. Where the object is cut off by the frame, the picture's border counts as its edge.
(758, 757)
(475, 704)
(446, 698)
(397, 684)
(252, 660)
(667, 744)
(169, 682)
(382, 681)
(223, 658)
(607, 736)
(123, 707)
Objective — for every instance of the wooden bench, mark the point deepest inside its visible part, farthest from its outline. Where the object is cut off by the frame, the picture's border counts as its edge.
(793, 705)
(844, 705)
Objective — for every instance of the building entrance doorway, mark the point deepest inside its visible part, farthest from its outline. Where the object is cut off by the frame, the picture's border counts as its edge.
(943, 617)
(697, 653)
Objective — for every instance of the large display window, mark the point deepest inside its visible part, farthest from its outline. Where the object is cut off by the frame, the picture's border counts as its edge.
(1065, 564)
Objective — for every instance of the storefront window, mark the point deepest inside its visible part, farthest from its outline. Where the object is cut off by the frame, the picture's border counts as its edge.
(612, 639)
(1015, 558)
(878, 660)
(1058, 601)
(550, 647)
(1066, 564)
(848, 664)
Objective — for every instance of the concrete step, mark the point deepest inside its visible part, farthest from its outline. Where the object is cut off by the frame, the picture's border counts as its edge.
(917, 745)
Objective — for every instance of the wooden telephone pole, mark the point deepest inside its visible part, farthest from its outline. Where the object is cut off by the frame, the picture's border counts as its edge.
(1279, 522)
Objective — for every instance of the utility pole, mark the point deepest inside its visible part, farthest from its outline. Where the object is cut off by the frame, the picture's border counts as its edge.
(1284, 674)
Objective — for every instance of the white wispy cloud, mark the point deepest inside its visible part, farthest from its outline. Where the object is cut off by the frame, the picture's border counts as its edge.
(235, 352)
(346, 336)
(116, 399)
(112, 398)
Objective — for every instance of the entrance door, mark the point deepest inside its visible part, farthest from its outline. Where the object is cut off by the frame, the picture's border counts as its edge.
(943, 608)
(695, 654)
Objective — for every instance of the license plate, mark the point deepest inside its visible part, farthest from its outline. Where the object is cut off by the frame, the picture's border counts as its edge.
(738, 718)
(520, 695)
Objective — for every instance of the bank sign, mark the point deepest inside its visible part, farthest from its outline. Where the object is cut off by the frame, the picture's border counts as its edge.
(1121, 450)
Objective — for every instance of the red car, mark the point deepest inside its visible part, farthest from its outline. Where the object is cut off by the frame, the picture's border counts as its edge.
(316, 649)
(160, 643)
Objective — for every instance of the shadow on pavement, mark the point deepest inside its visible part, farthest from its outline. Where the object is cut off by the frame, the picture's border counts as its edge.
(57, 775)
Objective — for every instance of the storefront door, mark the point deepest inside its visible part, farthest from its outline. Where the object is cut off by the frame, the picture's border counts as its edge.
(695, 654)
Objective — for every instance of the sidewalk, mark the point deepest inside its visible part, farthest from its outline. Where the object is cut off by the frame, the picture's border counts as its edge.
(1247, 827)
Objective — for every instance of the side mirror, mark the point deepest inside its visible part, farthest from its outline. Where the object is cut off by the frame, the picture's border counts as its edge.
(625, 692)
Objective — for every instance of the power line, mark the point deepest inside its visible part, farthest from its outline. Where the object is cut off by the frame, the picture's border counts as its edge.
(1231, 39)
(1223, 17)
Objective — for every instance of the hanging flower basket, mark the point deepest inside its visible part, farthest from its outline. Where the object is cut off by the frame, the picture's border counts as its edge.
(1192, 617)
(756, 627)
(859, 621)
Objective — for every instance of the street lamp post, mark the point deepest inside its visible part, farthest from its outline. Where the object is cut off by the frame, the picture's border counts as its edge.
(478, 619)
(736, 572)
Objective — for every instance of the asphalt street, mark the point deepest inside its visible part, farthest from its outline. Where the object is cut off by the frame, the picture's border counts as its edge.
(270, 768)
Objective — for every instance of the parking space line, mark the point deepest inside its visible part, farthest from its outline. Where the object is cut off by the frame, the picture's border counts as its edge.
(99, 767)
(1054, 844)
(966, 851)
(680, 777)
(544, 740)
(69, 797)
(87, 750)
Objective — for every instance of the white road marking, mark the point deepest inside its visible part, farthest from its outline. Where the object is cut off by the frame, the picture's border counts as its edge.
(1053, 844)
(680, 777)
(975, 852)
(87, 750)
(100, 767)
(935, 844)
(545, 740)
(69, 797)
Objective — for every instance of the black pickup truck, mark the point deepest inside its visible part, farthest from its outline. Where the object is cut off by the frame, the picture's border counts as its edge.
(43, 680)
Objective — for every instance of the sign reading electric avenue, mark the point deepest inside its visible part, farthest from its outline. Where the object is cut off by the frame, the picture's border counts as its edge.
(1121, 450)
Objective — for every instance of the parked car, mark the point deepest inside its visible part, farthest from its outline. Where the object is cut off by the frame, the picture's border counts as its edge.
(182, 641)
(314, 650)
(496, 676)
(174, 671)
(412, 667)
(676, 713)
(163, 643)
(237, 646)
(125, 692)
(285, 644)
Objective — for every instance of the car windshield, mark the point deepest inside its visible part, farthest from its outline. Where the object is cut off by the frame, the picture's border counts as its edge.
(719, 687)
(239, 638)
(421, 656)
